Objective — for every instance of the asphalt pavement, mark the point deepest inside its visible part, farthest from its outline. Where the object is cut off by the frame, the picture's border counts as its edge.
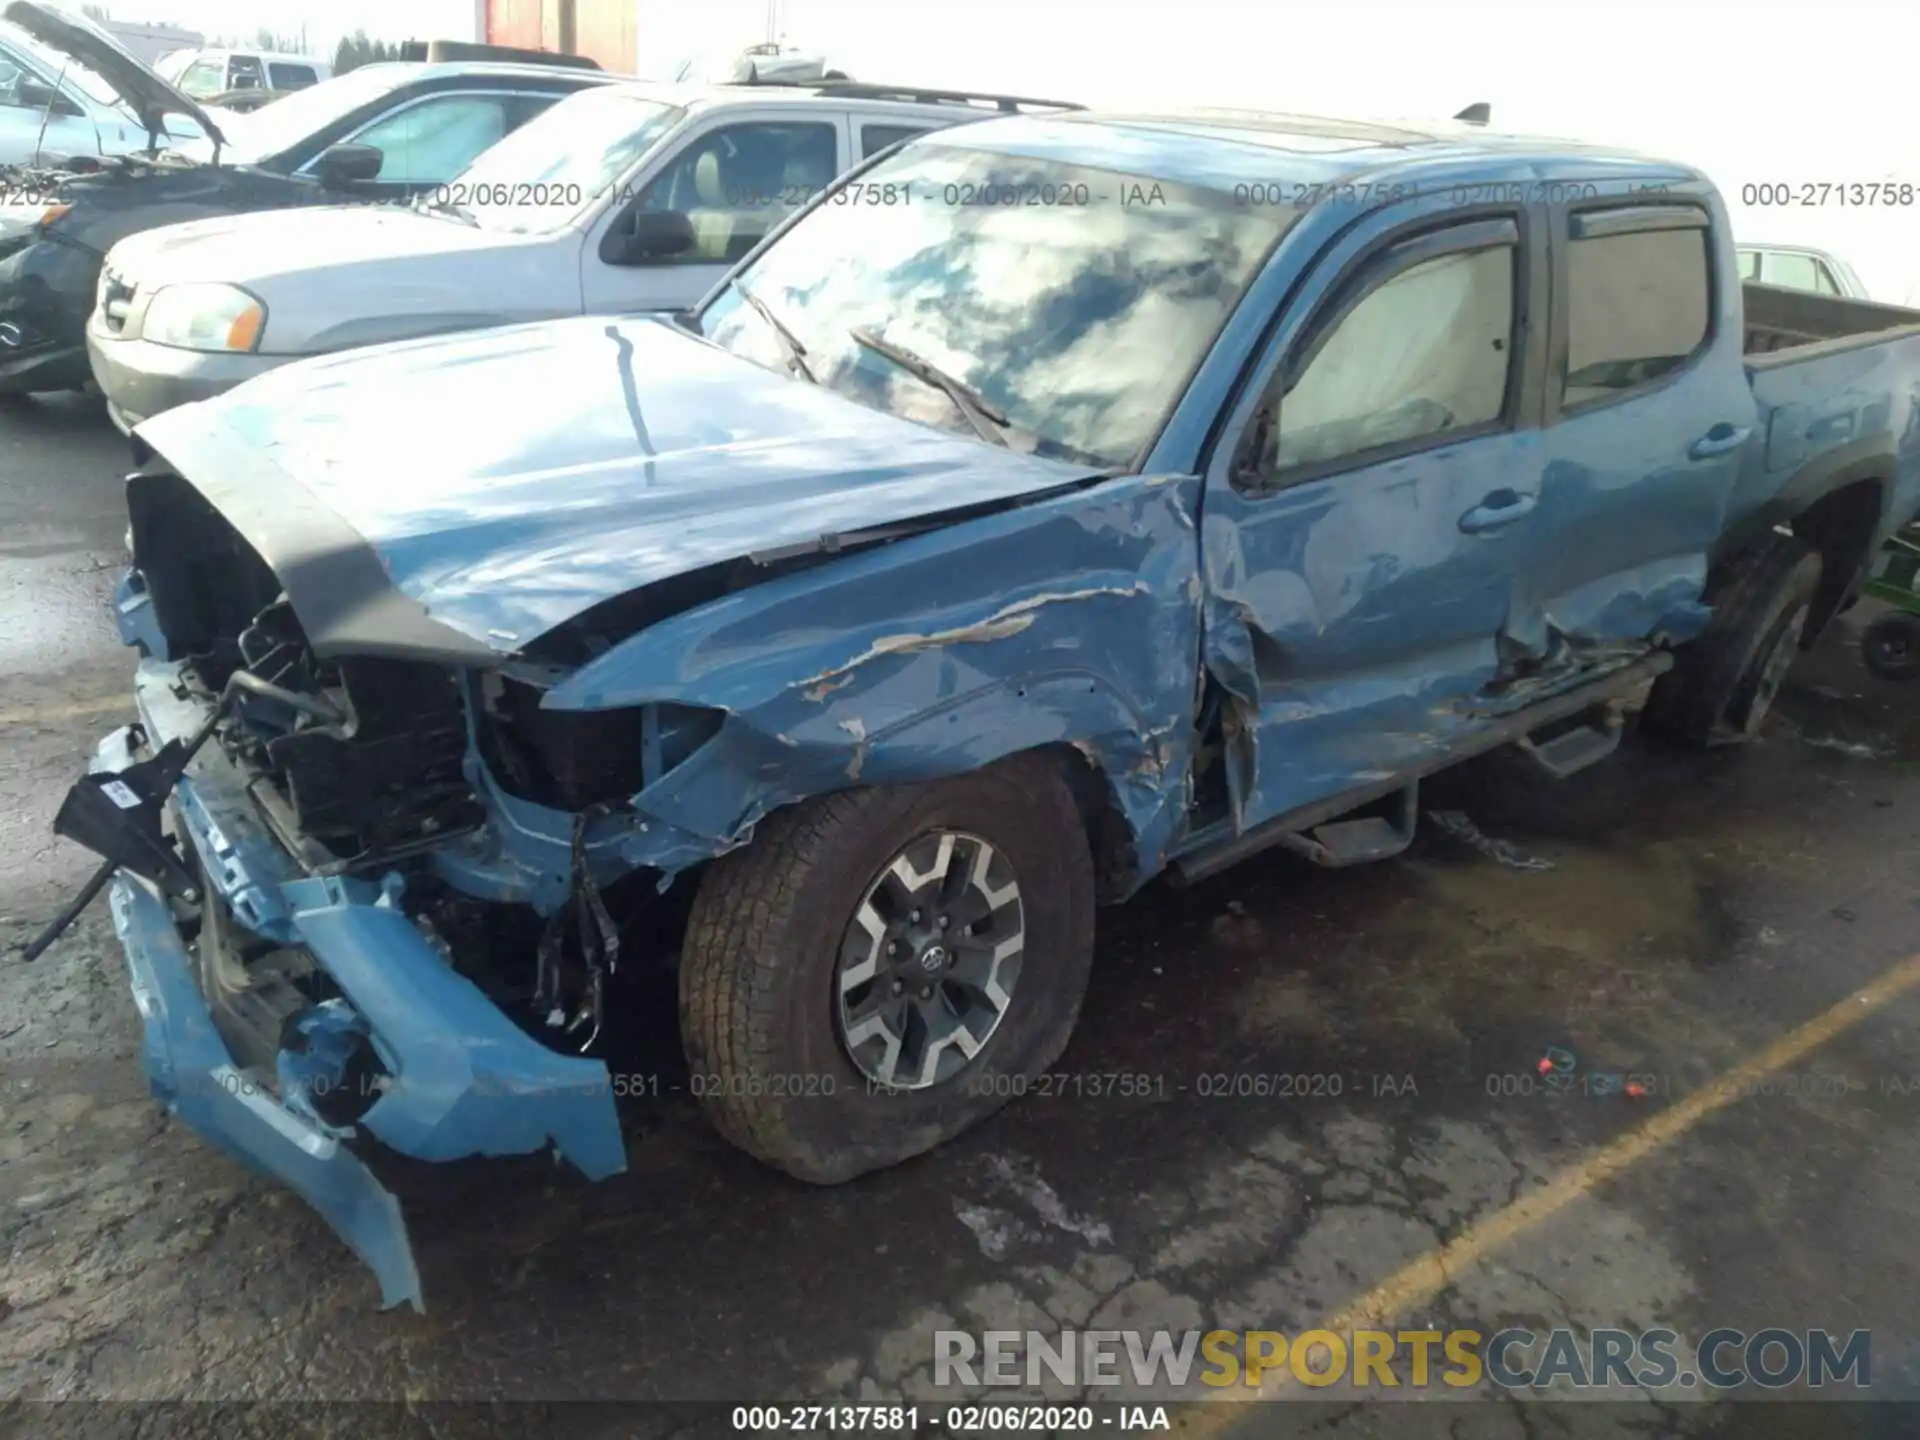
(1667, 916)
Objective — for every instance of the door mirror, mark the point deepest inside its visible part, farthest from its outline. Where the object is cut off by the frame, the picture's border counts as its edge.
(32, 95)
(646, 235)
(341, 165)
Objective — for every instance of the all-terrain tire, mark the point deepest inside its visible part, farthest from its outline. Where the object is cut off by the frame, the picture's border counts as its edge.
(1890, 646)
(758, 969)
(1722, 684)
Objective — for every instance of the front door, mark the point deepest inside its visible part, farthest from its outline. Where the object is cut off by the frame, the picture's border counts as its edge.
(1367, 510)
(733, 182)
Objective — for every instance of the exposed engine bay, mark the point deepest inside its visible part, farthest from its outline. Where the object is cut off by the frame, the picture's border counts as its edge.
(362, 765)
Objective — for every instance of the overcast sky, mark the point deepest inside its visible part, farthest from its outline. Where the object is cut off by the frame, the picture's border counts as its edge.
(1715, 82)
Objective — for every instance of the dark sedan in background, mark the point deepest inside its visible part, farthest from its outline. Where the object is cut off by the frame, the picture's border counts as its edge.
(386, 131)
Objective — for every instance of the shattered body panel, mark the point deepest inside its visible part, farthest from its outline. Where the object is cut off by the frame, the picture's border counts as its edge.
(456, 1077)
(821, 692)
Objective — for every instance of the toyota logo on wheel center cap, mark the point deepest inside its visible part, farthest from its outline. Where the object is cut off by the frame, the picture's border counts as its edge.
(933, 957)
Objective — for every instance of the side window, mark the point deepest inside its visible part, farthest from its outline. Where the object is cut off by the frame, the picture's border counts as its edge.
(1750, 265)
(1424, 354)
(736, 183)
(12, 76)
(1823, 280)
(290, 77)
(1637, 308)
(204, 78)
(244, 73)
(522, 108)
(431, 142)
(875, 138)
(1795, 272)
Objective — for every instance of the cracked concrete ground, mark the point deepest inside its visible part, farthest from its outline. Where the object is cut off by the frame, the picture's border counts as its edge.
(1696, 908)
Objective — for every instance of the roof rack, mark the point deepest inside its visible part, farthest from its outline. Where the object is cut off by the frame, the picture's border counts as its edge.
(862, 90)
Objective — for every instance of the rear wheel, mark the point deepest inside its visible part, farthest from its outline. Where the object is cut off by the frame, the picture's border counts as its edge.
(882, 968)
(1723, 685)
(1890, 646)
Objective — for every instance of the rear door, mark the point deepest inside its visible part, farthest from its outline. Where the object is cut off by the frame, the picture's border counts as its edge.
(734, 176)
(1649, 412)
(288, 75)
(877, 133)
(1367, 510)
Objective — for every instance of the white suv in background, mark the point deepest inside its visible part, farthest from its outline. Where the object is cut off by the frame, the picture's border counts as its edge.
(204, 74)
(1799, 267)
(624, 197)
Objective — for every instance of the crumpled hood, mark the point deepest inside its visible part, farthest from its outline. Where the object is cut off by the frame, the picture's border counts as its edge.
(252, 250)
(509, 479)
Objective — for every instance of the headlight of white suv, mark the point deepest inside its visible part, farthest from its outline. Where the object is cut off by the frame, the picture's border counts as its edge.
(16, 216)
(204, 317)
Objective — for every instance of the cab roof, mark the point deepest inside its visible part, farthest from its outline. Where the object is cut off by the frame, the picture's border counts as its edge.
(406, 71)
(208, 52)
(843, 94)
(1218, 149)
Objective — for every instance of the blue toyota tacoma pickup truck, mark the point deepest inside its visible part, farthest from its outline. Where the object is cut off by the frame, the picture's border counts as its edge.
(1053, 504)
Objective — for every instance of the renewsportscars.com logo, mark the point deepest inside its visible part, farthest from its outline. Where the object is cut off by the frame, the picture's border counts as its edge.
(1511, 1359)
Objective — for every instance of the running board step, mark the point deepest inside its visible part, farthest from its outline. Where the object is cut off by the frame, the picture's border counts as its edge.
(1353, 842)
(1569, 753)
(1339, 843)
(1496, 729)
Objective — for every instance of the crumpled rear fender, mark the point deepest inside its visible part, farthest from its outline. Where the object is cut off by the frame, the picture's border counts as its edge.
(1074, 620)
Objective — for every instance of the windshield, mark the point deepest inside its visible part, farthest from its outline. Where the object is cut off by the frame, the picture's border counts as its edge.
(1076, 302)
(559, 163)
(47, 65)
(292, 119)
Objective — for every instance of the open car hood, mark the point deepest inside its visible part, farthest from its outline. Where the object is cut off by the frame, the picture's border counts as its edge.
(150, 98)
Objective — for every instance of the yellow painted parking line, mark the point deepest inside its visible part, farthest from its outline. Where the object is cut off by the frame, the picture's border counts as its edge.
(77, 710)
(1424, 1278)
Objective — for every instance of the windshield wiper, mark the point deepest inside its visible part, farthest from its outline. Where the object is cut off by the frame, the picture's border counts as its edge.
(981, 413)
(426, 204)
(796, 352)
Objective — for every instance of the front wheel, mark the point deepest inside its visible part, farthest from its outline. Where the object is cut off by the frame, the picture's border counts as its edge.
(1890, 646)
(880, 969)
(1723, 685)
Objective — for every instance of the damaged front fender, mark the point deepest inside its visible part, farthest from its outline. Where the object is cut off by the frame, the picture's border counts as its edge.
(1074, 620)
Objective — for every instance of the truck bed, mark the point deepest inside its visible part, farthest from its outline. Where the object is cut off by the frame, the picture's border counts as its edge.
(1780, 320)
(1834, 379)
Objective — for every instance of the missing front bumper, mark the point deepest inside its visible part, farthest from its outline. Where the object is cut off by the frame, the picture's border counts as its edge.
(190, 1071)
(460, 1078)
